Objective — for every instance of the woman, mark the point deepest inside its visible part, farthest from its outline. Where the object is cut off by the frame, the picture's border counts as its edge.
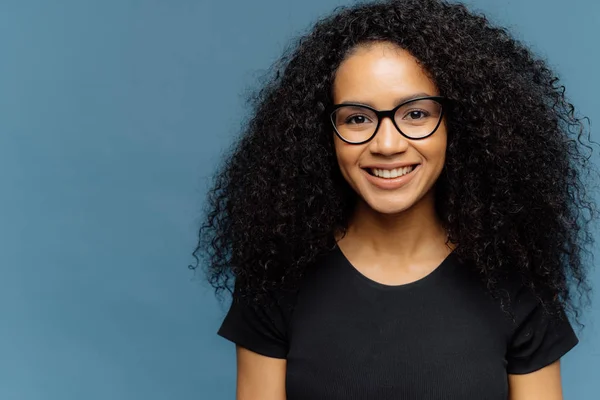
(403, 216)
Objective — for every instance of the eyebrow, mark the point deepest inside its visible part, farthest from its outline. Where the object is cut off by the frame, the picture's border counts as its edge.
(399, 100)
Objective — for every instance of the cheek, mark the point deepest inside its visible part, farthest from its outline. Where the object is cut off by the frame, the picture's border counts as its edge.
(436, 157)
(347, 158)
(435, 150)
(340, 152)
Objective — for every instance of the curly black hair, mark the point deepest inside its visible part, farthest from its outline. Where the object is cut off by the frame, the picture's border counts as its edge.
(512, 194)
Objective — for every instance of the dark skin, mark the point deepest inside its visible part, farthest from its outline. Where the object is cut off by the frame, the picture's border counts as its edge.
(394, 236)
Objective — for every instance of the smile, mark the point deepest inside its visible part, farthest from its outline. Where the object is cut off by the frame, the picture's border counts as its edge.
(391, 173)
(391, 179)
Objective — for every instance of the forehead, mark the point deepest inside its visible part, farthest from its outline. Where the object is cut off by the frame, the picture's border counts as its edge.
(378, 74)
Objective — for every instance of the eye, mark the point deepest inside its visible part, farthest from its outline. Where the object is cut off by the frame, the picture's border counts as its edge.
(416, 114)
(357, 119)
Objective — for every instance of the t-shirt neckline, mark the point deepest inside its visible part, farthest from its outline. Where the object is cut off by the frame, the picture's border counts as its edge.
(430, 277)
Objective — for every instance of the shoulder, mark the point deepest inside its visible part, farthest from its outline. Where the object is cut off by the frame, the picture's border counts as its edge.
(538, 333)
(261, 327)
(262, 323)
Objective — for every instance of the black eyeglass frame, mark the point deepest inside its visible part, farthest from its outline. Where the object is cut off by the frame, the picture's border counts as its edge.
(444, 102)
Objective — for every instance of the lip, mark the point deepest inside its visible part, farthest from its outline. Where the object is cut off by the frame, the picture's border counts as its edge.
(389, 166)
(392, 183)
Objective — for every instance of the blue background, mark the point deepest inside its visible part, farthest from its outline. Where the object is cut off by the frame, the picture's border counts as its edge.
(112, 117)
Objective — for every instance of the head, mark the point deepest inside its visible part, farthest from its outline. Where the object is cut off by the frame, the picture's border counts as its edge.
(390, 163)
(502, 168)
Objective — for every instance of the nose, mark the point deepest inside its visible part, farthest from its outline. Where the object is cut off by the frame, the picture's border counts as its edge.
(388, 140)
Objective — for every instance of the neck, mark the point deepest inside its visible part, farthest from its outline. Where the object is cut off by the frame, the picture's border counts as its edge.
(412, 233)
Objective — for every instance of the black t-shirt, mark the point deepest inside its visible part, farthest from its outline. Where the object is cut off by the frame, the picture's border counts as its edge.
(346, 336)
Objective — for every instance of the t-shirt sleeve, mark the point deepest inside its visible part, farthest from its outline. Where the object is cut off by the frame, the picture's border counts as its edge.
(261, 329)
(537, 339)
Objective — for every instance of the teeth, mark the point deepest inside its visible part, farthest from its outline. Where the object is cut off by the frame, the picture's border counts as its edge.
(392, 173)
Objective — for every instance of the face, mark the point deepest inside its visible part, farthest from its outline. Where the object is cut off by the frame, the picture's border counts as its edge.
(382, 75)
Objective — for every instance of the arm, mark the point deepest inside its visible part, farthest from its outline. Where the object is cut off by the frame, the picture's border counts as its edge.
(259, 377)
(543, 384)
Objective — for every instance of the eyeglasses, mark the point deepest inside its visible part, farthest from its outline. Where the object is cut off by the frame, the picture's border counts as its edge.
(415, 119)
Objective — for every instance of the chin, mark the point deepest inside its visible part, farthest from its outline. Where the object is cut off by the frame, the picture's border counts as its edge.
(388, 207)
